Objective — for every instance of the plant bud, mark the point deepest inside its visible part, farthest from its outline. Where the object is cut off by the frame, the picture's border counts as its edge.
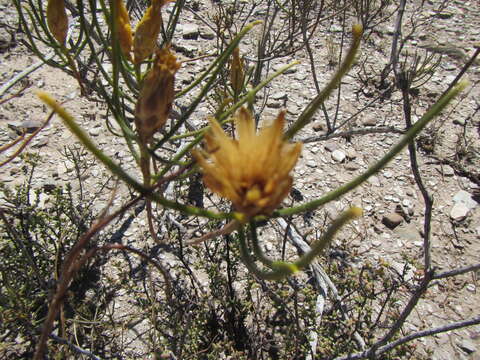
(156, 96)
(147, 30)
(237, 74)
(124, 30)
(57, 20)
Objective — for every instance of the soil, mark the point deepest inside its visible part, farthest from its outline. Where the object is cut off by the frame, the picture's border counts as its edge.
(448, 150)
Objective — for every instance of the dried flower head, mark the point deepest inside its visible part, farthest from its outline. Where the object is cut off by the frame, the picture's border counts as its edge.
(147, 30)
(124, 30)
(57, 20)
(252, 170)
(156, 96)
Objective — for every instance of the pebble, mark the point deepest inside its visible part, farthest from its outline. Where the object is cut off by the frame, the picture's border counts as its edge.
(351, 154)
(338, 155)
(190, 31)
(465, 198)
(318, 126)
(279, 95)
(392, 220)
(388, 174)
(331, 147)
(459, 212)
(95, 131)
(352, 166)
(467, 346)
(370, 120)
(448, 170)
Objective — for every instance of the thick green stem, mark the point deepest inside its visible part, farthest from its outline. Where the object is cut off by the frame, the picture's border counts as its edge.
(282, 269)
(119, 172)
(311, 108)
(435, 110)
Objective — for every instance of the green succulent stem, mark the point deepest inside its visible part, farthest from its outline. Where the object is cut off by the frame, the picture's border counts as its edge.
(434, 111)
(251, 94)
(313, 106)
(119, 172)
(282, 269)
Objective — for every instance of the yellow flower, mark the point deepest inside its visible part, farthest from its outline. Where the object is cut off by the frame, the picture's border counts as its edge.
(253, 170)
(156, 96)
(57, 20)
(147, 30)
(123, 28)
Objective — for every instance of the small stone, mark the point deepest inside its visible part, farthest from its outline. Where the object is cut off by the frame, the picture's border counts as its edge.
(374, 180)
(331, 147)
(448, 171)
(370, 120)
(472, 288)
(352, 166)
(95, 131)
(189, 50)
(274, 105)
(351, 154)
(467, 346)
(465, 198)
(279, 95)
(40, 143)
(459, 212)
(444, 15)
(207, 34)
(338, 155)
(318, 126)
(388, 174)
(300, 76)
(392, 220)
(190, 31)
(291, 70)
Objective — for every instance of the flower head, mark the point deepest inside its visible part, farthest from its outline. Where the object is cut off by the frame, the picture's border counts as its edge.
(253, 170)
(156, 96)
(57, 20)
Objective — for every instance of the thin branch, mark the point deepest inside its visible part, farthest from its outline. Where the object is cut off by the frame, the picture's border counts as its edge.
(74, 347)
(359, 131)
(412, 303)
(405, 339)
(456, 272)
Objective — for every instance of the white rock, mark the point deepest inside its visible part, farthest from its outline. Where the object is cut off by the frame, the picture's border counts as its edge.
(338, 155)
(459, 211)
(465, 198)
(95, 131)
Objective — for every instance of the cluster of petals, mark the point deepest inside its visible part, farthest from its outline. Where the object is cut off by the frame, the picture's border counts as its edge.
(253, 170)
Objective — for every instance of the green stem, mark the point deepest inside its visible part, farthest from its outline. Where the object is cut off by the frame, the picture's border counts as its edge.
(251, 94)
(435, 110)
(311, 108)
(280, 273)
(319, 245)
(282, 269)
(119, 172)
(221, 63)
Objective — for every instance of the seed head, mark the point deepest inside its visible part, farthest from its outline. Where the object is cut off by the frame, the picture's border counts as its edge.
(156, 96)
(57, 20)
(147, 30)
